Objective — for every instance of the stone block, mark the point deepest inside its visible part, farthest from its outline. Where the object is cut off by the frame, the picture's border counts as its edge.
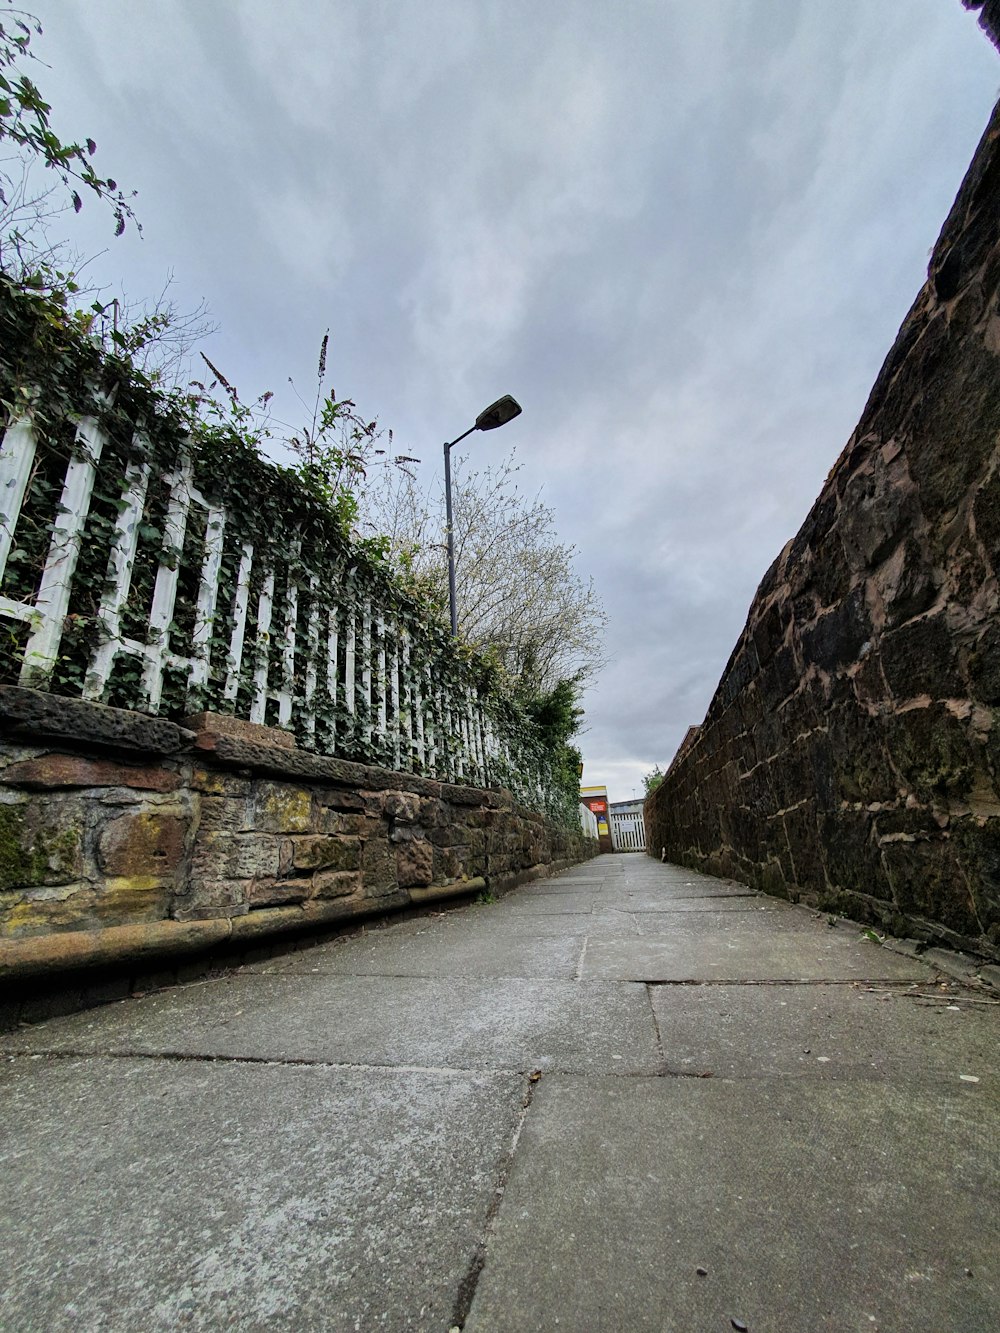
(907, 583)
(40, 912)
(220, 782)
(142, 843)
(769, 632)
(207, 898)
(802, 833)
(336, 883)
(281, 807)
(207, 725)
(837, 638)
(50, 771)
(984, 666)
(272, 892)
(125, 899)
(225, 814)
(927, 881)
(320, 852)
(351, 823)
(919, 658)
(433, 812)
(401, 807)
(40, 843)
(447, 864)
(335, 798)
(445, 835)
(236, 856)
(977, 843)
(851, 853)
(378, 865)
(777, 682)
(860, 756)
(414, 864)
(932, 750)
(987, 518)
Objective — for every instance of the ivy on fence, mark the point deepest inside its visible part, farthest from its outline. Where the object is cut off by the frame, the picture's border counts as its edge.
(152, 559)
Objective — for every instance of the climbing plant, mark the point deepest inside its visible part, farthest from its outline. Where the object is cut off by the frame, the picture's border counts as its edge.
(54, 372)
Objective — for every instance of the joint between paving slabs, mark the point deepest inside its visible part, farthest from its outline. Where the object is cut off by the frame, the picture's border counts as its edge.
(578, 974)
(184, 1057)
(467, 1287)
(890, 983)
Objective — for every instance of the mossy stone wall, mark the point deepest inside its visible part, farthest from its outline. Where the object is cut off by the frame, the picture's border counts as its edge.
(106, 824)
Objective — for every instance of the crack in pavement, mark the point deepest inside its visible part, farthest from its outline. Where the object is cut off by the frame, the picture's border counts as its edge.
(467, 1287)
(665, 1069)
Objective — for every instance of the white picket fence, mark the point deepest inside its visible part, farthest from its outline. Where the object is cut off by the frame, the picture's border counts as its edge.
(588, 822)
(397, 688)
(627, 831)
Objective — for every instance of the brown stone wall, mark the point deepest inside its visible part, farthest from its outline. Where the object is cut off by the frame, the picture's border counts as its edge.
(105, 824)
(852, 750)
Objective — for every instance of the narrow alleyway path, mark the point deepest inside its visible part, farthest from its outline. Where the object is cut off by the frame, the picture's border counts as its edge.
(625, 1098)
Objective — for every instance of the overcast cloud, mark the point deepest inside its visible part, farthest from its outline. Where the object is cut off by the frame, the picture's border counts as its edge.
(682, 235)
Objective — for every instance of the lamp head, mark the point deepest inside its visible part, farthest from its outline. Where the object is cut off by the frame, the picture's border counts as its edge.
(499, 413)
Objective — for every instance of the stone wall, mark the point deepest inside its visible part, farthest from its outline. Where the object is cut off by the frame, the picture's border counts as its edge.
(122, 834)
(989, 17)
(851, 753)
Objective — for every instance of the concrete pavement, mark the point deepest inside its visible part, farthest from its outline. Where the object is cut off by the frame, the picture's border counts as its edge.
(628, 1097)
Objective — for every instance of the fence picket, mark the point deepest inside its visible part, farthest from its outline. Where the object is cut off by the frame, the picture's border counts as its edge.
(361, 675)
(17, 454)
(52, 600)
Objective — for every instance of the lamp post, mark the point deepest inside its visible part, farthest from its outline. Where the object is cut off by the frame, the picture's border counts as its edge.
(497, 414)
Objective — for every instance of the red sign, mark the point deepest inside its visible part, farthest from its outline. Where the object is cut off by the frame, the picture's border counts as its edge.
(597, 805)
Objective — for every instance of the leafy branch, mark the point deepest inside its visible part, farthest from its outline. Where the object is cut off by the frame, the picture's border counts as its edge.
(25, 123)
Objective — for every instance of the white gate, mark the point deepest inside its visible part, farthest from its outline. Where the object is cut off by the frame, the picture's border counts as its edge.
(627, 831)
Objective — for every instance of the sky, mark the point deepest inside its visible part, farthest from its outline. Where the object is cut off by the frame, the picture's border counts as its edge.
(682, 235)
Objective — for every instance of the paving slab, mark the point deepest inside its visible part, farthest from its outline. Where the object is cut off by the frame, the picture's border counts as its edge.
(814, 1207)
(550, 903)
(464, 948)
(153, 1195)
(547, 888)
(651, 900)
(577, 877)
(322, 1140)
(845, 1031)
(753, 922)
(648, 911)
(484, 1024)
(728, 952)
(610, 919)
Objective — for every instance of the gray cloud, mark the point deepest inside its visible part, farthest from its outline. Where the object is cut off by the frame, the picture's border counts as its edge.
(683, 236)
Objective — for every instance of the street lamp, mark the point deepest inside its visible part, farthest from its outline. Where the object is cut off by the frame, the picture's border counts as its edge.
(497, 414)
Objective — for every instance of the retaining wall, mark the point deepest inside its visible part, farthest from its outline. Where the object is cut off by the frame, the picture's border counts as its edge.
(124, 837)
(851, 754)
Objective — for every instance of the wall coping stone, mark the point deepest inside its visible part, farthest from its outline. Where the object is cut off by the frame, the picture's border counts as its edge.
(224, 724)
(50, 716)
(232, 752)
(113, 946)
(37, 715)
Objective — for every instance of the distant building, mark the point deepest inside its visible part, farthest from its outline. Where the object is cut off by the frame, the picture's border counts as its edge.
(596, 801)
